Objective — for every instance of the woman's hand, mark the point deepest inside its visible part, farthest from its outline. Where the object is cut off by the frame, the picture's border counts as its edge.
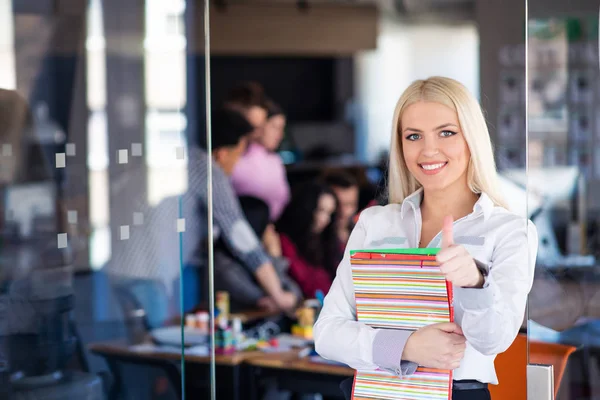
(439, 346)
(455, 261)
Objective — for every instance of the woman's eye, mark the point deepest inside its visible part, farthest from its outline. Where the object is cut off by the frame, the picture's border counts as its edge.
(413, 137)
(447, 133)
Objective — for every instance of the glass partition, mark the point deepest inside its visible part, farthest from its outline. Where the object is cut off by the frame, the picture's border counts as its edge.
(564, 90)
(98, 114)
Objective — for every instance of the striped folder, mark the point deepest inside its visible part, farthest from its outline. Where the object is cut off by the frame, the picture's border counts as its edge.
(401, 289)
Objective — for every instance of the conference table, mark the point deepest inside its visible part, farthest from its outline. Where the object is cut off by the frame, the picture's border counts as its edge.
(242, 375)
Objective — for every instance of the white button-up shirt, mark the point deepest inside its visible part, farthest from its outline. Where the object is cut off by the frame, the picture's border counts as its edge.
(490, 317)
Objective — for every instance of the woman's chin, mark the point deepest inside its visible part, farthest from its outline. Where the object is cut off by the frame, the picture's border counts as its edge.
(429, 185)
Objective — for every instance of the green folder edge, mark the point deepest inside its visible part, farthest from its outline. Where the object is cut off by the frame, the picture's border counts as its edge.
(414, 252)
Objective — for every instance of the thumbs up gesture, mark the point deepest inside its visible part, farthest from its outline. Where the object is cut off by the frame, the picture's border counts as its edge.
(455, 261)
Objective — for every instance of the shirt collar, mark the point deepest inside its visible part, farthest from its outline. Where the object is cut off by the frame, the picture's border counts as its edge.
(413, 202)
(484, 205)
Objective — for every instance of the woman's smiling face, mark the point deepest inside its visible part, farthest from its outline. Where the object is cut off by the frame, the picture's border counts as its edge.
(434, 148)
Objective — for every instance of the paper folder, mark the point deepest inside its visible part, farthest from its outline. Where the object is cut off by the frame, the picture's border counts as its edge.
(401, 289)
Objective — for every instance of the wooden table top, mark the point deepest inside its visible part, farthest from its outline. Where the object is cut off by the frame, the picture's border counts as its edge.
(288, 360)
(291, 361)
(119, 348)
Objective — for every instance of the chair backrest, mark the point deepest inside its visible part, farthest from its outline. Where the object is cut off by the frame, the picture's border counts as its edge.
(511, 366)
(553, 354)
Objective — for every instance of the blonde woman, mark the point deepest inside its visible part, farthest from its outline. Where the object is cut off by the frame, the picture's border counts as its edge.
(443, 192)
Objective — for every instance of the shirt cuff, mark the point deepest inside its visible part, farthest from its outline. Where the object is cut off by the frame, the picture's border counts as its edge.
(475, 299)
(388, 347)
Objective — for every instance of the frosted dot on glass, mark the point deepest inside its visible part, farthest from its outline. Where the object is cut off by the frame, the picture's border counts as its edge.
(181, 225)
(72, 216)
(136, 149)
(138, 218)
(123, 157)
(124, 232)
(61, 161)
(7, 150)
(70, 149)
(62, 240)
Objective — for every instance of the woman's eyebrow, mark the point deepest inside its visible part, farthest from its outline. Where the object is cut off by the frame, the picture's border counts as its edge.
(438, 128)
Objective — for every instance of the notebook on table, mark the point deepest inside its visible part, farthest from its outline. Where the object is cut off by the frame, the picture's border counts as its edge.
(401, 289)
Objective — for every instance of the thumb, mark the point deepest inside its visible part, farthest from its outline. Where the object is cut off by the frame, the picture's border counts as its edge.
(447, 233)
(450, 327)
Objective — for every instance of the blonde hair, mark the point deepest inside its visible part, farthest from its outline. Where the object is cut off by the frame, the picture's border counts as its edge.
(482, 176)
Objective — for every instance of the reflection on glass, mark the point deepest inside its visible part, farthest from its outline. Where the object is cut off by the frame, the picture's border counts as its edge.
(92, 145)
(564, 96)
(38, 338)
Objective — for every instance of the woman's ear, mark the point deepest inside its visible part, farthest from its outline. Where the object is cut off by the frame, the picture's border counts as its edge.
(218, 154)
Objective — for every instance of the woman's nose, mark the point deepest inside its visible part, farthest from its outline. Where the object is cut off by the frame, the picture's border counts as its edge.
(430, 148)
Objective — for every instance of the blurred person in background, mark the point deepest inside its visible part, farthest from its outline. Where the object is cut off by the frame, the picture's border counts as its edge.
(230, 131)
(307, 230)
(231, 275)
(149, 251)
(249, 99)
(346, 189)
(261, 173)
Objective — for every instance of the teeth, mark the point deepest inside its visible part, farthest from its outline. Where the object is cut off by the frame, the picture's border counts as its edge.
(431, 167)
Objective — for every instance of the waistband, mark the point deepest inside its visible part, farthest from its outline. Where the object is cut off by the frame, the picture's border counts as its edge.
(468, 385)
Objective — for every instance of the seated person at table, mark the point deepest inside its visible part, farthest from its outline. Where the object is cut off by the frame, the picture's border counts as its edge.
(346, 190)
(308, 237)
(230, 275)
(261, 173)
(229, 141)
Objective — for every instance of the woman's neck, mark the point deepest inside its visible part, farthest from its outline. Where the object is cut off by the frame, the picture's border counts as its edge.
(456, 201)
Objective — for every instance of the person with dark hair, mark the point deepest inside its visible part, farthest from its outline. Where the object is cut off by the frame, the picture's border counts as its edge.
(274, 127)
(345, 187)
(261, 173)
(308, 237)
(249, 99)
(229, 141)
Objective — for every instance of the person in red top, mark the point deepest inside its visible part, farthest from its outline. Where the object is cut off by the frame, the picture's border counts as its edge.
(308, 236)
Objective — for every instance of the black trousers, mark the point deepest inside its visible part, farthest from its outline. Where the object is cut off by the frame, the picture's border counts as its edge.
(477, 394)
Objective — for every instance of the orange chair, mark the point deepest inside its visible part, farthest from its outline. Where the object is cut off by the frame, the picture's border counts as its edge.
(511, 366)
